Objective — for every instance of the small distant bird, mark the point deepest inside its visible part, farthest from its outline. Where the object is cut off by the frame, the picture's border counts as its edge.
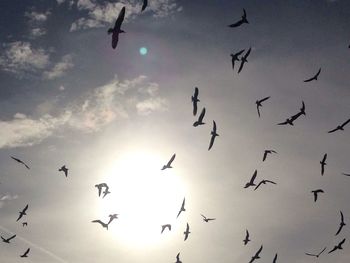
(178, 258)
(200, 119)
(256, 256)
(168, 226)
(112, 217)
(168, 165)
(20, 161)
(22, 213)
(213, 135)
(234, 58)
(100, 186)
(266, 152)
(187, 232)
(241, 21)
(342, 224)
(339, 246)
(25, 253)
(7, 240)
(314, 77)
(206, 219)
(340, 127)
(316, 255)
(244, 60)
(323, 163)
(182, 209)
(24, 224)
(316, 192)
(144, 5)
(246, 239)
(117, 28)
(275, 259)
(64, 169)
(263, 182)
(195, 100)
(251, 182)
(258, 104)
(104, 225)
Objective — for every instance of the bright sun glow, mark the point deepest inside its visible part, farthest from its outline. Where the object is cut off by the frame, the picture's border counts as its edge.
(143, 51)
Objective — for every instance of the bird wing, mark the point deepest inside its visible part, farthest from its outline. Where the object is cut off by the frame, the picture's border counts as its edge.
(315, 195)
(258, 109)
(171, 159)
(333, 130)
(266, 98)
(98, 221)
(214, 126)
(25, 209)
(115, 38)
(341, 216)
(335, 248)
(144, 5)
(324, 158)
(283, 123)
(253, 177)
(258, 252)
(119, 21)
(203, 216)
(212, 139)
(346, 174)
(318, 73)
(271, 182)
(247, 54)
(322, 251)
(275, 258)
(244, 13)
(238, 23)
(11, 237)
(310, 254)
(196, 91)
(20, 216)
(341, 243)
(345, 123)
(239, 53)
(99, 187)
(258, 185)
(27, 251)
(265, 155)
(194, 108)
(322, 168)
(201, 116)
(339, 229)
(241, 66)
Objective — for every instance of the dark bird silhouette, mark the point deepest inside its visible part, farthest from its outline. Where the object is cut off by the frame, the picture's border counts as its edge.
(106, 192)
(263, 182)
(241, 21)
(100, 186)
(339, 246)
(258, 104)
(256, 256)
(323, 163)
(246, 239)
(64, 169)
(25, 254)
(244, 60)
(342, 224)
(168, 165)
(206, 219)
(213, 135)
(316, 192)
(168, 226)
(20, 161)
(187, 232)
(112, 217)
(144, 5)
(178, 258)
(340, 127)
(295, 116)
(200, 119)
(251, 182)
(314, 77)
(7, 240)
(182, 209)
(266, 152)
(24, 224)
(275, 259)
(117, 28)
(22, 213)
(104, 225)
(195, 100)
(234, 58)
(316, 255)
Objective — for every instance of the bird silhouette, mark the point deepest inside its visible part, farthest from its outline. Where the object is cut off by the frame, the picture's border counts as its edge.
(213, 135)
(117, 28)
(314, 77)
(251, 182)
(20, 161)
(22, 213)
(64, 169)
(234, 58)
(256, 256)
(104, 225)
(323, 163)
(316, 192)
(25, 254)
(266, 152)
(244, 60)
(206, 219)
(24, 224)
(195, 100)
(275, 259)
(342, 224)
(340, 127)
(182, 209)
(112, 217)
(339, 246)
(7, 240)
(264, 182)
(168, 165)
(187, 232)
(246, 239)
(316, 255)
(241, 21)
(144, 5)
(99, 188)
(178, 258)
(168, 226)
(200, 119)
(291, 120)
(258, 104)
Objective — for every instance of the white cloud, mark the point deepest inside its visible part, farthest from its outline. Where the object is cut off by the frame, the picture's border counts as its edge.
(36, 21)
(60, 68)
(37, 32)
(150, 105)
(6, 198)
(36, 16)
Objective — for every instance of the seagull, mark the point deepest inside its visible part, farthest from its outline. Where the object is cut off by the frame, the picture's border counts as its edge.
(112, 217)
(144, 5)
(195, 99)
(315, 192)
(168, 165)
(251, 182)
(339, 246)
(22, 213)
(266, 152)
(168, 226)
(117, 28)
(20, 161)
(256, 256)
(340, 127)
(213, 135)
(241, 21)
(263, 182)
(244, 60)
(8, 239)
(24, 224)
(200, 119)
(182, 209)
(275, 259)
(206, 219)
(234, 57)
(25, 253)
(100, 186)
(246, 239)
(100, 222)
(64, 169)
(258, 104)
(178, 258)
(323, 163)
(341, 223)
(314, 77)
(187, 232)
(316, 255)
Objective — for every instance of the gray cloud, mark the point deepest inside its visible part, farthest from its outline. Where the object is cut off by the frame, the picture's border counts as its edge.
(60, 68)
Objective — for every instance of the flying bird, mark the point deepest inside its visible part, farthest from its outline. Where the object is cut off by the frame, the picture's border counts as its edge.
(104, 225)
(117, 28)
(178, 258)
(251, 182)
(22, 213)
(64, 169)
(213, 135)
(316, 192)
(7, 240)
(24, 224)
(266, 152)
(241, 21)
(200, 119)
(275, 259)
(316, 255)
(206, 219)
(256, 256)
(168, 226)
(244, 60)
(144, 5)
(258, 104)
(342, 224)
(187, 232)
(340, 127)
(339, 246)
(314, 77)
(234, 58)
(20, 161)
(264, 182)
(100, 186)
(246, 239)
(323, 163)
(182, 209)
(112, 217)
(168, 165)
(195, 100)
(25, 253)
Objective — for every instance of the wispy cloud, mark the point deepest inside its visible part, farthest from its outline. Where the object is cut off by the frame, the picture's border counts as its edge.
(6, 198)
(60, 68)
(36, 22)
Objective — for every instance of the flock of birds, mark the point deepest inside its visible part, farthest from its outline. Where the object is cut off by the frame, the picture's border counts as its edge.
(103, 188)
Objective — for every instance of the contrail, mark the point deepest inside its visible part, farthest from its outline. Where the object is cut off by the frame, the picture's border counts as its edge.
(36, 246)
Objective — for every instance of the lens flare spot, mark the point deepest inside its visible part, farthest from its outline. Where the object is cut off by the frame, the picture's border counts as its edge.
(143, 51)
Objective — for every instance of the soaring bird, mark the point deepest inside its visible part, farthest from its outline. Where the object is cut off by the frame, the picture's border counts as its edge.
(168, 165)
(342, 224)
(316, 192)
(340, 127)
(241, 21)
(339, 246)
(258, 104)
(178, 258)
(24, 224)
(206, 219)
(22, 213)
(168, 226)
(275, 259)
(200, 119)
(104, 225)
(112, 217)
(314, 77)
(144, 5)
(182, 209)
(251, 182)
(263, 182)
(195, 100)
(100, 186)
(266, 152)
(25, 254)
(244, 60)
(234, 58)
(7, 240)
(246, 239)
(213, 135)
(64, 169)
(256, 256)
(187, 232)
(323, 163)
(316, 255)
(20, 161)
(117, 28)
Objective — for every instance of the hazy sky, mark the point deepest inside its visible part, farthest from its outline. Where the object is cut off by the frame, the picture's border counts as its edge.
(116, 116)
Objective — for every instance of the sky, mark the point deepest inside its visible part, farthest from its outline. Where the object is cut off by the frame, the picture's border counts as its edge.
(116, 116)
